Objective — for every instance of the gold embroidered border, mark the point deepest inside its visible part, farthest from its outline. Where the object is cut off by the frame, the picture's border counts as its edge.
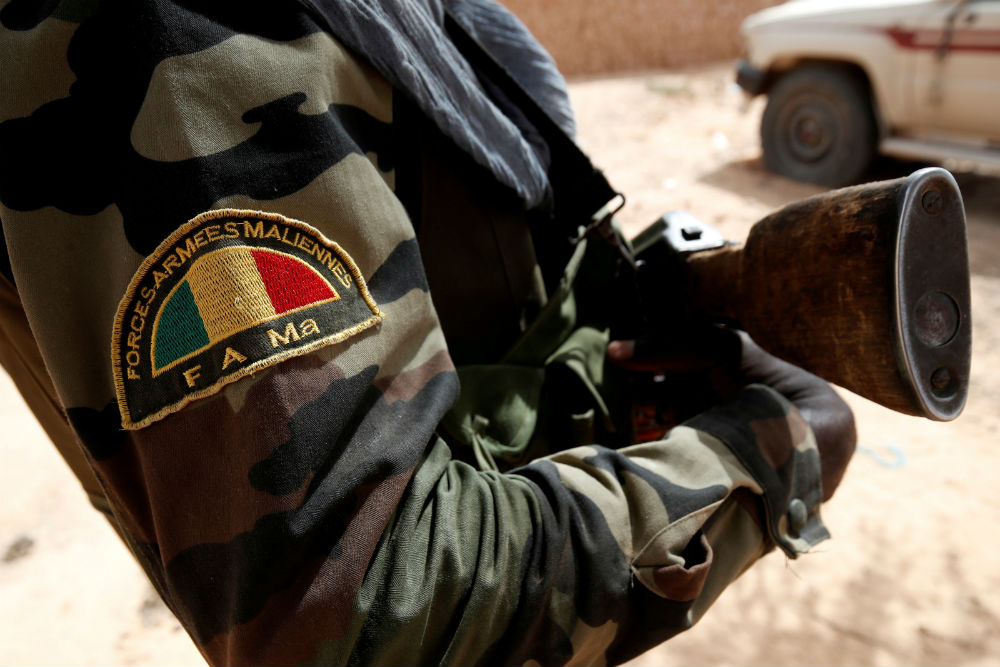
(157, 254)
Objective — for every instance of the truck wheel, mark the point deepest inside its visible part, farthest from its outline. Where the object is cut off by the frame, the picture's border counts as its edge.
(819, 126)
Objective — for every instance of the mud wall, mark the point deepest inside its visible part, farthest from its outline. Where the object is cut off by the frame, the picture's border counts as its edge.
(600, 36)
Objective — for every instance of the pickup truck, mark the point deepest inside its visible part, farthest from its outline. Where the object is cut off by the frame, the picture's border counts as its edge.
(846, 80)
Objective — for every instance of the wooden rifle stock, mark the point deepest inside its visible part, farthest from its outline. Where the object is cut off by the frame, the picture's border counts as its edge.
(867, 287)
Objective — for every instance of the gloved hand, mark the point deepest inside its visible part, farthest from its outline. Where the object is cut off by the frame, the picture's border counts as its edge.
(737, 362)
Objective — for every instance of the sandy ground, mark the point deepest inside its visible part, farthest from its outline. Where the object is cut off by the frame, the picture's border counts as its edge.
(912, 576)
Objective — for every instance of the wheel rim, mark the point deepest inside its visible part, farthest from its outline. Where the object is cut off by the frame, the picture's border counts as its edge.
(810, 131)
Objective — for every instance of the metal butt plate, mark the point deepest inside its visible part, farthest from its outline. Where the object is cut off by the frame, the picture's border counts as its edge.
(933, 295)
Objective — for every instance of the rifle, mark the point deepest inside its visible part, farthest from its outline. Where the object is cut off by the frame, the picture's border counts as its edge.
(866, 286)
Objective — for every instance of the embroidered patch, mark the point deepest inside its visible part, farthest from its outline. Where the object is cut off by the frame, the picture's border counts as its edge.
(229, 293)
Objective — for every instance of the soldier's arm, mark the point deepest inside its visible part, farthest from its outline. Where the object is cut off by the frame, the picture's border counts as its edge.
(305, 511)
(590, 556)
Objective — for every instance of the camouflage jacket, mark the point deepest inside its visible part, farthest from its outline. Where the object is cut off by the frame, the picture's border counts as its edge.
(213, 236)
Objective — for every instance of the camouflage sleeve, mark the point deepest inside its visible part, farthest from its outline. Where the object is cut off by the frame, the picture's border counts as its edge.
(278, 475)
(592, 555)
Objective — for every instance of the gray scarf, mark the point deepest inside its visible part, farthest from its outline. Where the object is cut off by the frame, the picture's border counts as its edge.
(406, 41)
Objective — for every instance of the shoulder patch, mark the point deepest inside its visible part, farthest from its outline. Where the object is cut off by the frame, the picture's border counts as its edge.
(229, 293)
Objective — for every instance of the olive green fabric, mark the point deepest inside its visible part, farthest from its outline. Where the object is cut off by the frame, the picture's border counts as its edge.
(504, 415)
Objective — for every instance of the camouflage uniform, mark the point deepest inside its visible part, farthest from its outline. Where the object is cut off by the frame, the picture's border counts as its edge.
(327, 507)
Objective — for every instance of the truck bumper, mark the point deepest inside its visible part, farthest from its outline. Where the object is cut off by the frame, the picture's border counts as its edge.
(750, 79)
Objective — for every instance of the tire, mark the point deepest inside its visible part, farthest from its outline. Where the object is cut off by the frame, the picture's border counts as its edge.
(819, 126)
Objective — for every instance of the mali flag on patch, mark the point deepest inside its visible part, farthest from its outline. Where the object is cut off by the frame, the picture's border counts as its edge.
(228, 294)
(228, 291)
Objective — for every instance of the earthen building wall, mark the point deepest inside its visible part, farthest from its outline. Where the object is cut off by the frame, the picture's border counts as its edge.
(599, 36)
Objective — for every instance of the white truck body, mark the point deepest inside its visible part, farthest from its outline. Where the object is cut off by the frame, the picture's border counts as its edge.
(932, 67)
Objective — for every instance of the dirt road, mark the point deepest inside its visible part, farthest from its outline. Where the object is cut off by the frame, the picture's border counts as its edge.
(911, 578)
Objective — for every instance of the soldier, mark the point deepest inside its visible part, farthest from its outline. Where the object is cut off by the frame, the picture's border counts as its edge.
(251, 252)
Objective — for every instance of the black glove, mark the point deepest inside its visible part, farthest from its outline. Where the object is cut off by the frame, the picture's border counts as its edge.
(736, 362)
